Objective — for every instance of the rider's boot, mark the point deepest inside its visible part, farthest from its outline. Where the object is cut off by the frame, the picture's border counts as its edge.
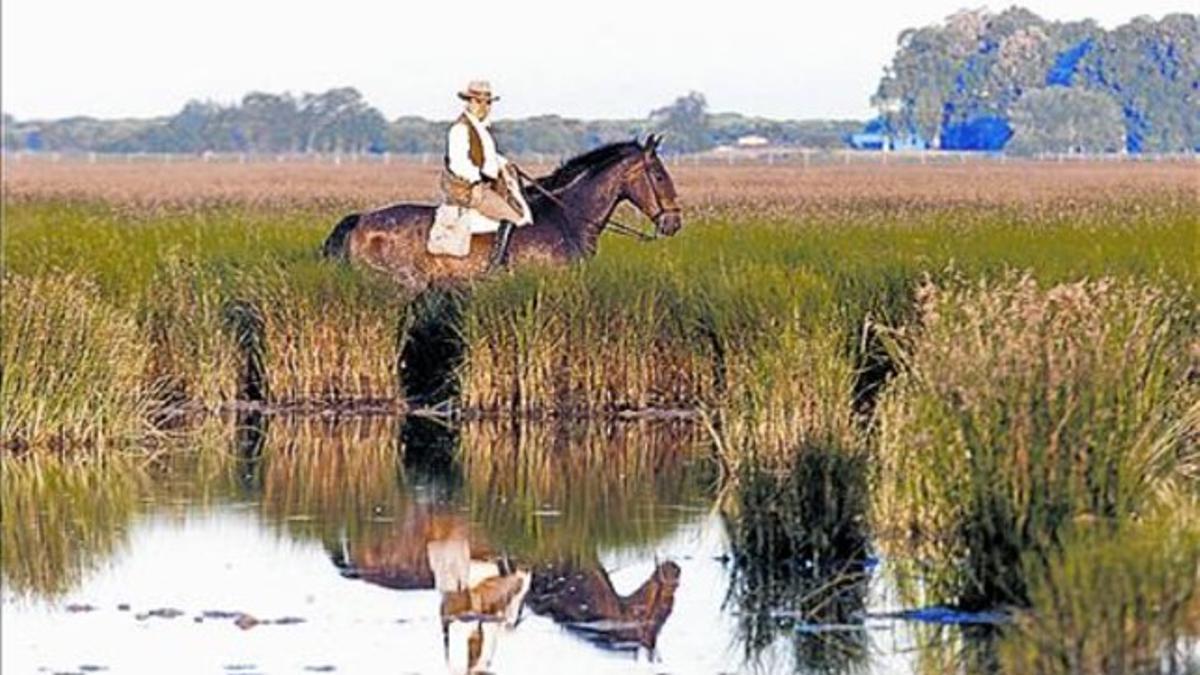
(500, 248)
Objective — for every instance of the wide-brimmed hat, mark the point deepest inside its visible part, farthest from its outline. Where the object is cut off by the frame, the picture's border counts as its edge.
(478, 89)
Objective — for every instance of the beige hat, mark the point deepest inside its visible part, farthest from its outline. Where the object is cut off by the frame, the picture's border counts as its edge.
(480, 89)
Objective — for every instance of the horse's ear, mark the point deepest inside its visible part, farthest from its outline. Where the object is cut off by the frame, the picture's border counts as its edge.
(652, 142)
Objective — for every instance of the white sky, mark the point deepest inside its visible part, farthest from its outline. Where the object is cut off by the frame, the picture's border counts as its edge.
(595, 59)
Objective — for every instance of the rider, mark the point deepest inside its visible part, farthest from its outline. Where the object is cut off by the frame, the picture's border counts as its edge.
(477, 176)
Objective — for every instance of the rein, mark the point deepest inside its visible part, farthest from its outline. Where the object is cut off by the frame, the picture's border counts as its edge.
(617, 226)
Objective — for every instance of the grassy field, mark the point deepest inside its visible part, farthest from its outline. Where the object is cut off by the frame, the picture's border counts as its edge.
(997, 366)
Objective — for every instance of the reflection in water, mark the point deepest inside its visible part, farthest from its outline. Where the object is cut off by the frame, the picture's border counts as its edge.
(561, 491)
(540, 498)
(322, 477)
(800, 558)
(58, 520)
(423, 541)
(582, 598)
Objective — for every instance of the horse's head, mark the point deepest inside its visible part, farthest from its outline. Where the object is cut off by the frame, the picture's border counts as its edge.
(651, 189)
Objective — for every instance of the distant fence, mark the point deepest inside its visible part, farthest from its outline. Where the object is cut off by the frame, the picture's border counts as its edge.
(731, 157)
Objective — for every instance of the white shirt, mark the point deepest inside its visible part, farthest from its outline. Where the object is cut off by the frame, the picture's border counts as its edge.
(458, 151)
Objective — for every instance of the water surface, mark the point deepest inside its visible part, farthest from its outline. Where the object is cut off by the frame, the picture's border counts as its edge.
(312, 546)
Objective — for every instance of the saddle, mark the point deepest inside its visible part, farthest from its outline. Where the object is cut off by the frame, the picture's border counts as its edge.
(452, 229)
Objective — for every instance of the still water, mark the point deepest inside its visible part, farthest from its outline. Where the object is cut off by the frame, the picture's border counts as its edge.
(383, 546)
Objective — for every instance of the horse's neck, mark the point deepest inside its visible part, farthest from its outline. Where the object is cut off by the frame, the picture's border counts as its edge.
(590, 202)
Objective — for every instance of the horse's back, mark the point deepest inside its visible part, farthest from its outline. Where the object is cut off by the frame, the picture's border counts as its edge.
(396, 219)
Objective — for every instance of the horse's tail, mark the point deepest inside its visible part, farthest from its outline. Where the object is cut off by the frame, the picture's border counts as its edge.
(335, 243)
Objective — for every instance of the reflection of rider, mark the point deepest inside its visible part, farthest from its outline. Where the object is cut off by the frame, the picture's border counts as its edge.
(477, 176)
(479, 593)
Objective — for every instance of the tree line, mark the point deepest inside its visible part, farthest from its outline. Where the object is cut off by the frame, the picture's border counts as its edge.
(1016, 81)
(977, 81)
(342, 121)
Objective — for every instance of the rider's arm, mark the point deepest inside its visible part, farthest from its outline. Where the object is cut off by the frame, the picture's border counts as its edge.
(458, 152)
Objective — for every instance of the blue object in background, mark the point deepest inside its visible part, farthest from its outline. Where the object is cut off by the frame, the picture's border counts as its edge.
(986, 133)
(877, 134)
(1062, 73)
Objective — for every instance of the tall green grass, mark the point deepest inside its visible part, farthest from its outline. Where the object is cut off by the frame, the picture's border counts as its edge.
(231, 301)
(191, 308)
(73, 367)
(1125, 601)
(1021, 410)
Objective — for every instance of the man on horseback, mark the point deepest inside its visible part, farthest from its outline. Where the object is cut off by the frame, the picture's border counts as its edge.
(478, 177)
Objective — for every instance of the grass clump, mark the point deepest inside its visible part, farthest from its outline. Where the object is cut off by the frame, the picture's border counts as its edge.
(73, 367)
(1113, 602)
(592, 338)
(1021, 410)
(330, 334)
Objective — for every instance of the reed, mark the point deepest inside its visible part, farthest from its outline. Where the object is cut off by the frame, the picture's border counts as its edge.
(330, 334)
(1113, 602)
(195, 351)
(1021, 410)
(73, 368)
(231, 302)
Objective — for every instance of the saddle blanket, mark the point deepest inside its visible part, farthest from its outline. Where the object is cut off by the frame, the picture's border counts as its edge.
(453, 227)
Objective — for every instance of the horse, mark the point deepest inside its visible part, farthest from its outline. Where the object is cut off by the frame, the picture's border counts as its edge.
(571, 208)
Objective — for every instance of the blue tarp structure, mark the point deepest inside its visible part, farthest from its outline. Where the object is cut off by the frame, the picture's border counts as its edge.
(986, 133)
(970, 124)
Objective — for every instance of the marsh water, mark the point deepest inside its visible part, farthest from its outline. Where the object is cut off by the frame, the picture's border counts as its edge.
(309, 546)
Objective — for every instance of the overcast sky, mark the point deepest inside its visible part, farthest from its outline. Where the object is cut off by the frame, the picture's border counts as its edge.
(596, 59)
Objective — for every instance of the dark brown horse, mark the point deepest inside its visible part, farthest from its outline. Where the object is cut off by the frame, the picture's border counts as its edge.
(586, 190)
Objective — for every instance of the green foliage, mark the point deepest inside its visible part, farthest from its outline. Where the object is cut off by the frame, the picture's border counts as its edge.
(982, 64)
(1059, 119)
(685, 121)
(1121, 600)
(73, 367)
(1020, 410)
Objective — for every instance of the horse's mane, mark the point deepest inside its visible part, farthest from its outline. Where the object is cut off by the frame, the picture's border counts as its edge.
(590, 162)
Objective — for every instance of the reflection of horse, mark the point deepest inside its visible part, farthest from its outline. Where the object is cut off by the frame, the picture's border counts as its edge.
(483, 591)
(583, 599)
(586, 190)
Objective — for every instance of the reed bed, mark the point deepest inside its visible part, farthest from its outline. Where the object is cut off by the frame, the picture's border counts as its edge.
(208, 307)
(1022, 410)
(1114, 602)
(329, 334)
(73, 368)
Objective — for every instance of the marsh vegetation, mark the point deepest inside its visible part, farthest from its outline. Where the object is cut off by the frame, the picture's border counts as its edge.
(989, 378)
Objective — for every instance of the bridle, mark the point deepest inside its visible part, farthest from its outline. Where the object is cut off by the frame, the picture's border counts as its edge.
(611, 223)
(654, 191)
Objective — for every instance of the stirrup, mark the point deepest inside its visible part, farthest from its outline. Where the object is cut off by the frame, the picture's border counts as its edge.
(500, 248)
